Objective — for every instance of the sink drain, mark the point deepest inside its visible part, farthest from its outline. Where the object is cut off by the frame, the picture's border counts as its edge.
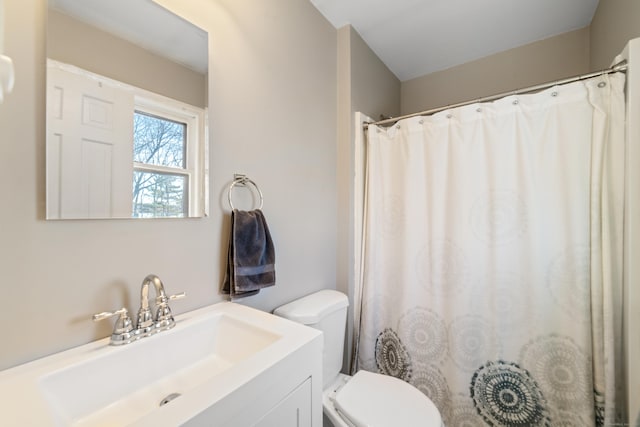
(169, 398)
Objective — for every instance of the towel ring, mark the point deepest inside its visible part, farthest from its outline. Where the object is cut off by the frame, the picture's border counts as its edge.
(243, 181)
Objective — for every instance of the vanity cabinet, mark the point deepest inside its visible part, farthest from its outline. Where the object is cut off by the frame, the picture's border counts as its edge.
(287, 394)
(274, 403)
(292, 411)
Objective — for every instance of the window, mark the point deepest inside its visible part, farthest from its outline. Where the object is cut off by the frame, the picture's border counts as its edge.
(163, 168)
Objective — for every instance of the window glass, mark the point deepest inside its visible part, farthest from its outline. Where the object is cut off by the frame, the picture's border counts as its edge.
(159, 195)
(158, 141)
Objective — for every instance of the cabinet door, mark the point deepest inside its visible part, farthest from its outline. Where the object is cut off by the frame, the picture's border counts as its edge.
(292, 411)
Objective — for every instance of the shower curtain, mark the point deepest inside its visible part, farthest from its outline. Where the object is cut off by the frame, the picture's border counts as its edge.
(492, 259)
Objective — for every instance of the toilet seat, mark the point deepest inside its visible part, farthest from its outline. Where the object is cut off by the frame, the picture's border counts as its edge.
(370, 399)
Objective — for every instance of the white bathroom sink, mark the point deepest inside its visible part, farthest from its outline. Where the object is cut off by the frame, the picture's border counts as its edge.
(208, 354)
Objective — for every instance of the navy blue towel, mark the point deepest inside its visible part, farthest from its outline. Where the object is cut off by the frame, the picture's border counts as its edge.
(252, 257)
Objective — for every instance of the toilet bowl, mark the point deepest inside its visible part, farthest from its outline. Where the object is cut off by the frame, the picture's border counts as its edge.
(366, 398)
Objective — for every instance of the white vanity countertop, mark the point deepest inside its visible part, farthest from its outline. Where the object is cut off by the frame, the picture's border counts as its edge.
(209, 354)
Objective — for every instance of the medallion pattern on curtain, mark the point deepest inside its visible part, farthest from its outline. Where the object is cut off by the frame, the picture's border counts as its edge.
(493, 257)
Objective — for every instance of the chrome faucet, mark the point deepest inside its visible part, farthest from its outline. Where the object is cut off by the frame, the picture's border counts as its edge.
(124, 332)
(147, 324)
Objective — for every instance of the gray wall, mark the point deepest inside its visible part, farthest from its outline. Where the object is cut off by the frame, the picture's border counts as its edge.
(272, 116)
(375, 90)
(365, 85)
(614, 23)
(543, 61)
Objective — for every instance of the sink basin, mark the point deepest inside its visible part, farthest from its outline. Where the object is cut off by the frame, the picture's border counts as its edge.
(150, 370)
(174, 375)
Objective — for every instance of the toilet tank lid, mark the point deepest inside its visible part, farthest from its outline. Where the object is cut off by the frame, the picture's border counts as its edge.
(312, 308)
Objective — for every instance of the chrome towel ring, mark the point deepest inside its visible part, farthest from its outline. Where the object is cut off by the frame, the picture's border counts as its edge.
(243, 180)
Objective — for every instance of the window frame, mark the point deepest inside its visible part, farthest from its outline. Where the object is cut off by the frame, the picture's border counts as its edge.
(193, 118)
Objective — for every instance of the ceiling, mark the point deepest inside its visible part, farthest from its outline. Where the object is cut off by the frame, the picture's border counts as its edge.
(418, 37)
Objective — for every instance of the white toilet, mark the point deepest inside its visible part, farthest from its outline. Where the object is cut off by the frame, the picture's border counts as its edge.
(366, 399)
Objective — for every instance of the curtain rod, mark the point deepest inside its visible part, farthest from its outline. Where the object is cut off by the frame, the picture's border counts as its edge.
(619, 67)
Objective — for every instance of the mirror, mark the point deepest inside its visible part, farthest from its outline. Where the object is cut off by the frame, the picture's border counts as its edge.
(127, 97)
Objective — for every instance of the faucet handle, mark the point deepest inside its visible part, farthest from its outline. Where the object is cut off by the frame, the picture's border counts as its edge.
(108, 314)
(123, 331)
(164, 317)
(177, 296)
(164, 299)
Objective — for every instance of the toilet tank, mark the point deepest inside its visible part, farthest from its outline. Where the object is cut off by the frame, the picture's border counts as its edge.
(325, 310)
